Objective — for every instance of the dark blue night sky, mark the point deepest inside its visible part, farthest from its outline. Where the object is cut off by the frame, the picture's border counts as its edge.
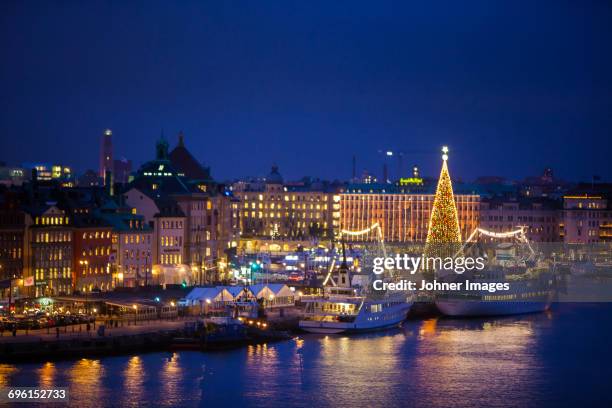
(510, 86)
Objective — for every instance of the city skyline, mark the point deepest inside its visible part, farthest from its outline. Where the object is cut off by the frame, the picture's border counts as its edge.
(503, 86)
(330, 204)
(387, 163)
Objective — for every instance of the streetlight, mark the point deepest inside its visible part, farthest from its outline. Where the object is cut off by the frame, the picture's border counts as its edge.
(135, 307)
(146, 270)
(10, 291)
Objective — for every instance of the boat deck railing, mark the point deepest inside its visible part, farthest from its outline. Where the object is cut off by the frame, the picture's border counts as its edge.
(333, 298)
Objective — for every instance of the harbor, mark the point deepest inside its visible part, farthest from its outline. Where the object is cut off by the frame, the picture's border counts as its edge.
(527, 360)
(306, 204)
(339, 300)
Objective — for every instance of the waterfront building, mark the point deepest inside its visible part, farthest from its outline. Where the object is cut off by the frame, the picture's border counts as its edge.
(48, 258)
(12, 235)
(170, 236)
(540, 217)
(276, 210)
(587, 218)
(93, 257)
(132, 242)
(209, 213)
(169, 225)
(401, 211)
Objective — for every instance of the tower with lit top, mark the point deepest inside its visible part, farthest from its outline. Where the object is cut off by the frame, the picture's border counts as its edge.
(444, 233)
(106, 153)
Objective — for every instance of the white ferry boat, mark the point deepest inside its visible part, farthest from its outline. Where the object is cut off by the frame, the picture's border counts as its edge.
(346, 308)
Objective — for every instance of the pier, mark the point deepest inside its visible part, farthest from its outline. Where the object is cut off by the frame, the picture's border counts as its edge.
(76, 341)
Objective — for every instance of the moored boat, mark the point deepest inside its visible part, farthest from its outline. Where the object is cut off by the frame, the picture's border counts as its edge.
(531, 284)
(349, 308)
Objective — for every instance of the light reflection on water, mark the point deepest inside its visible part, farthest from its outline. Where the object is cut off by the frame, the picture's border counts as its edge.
(46, 375)
(84, 377)
(133, 377)
(6, 373)
(170, 377)
(472, 360)
(560, 358)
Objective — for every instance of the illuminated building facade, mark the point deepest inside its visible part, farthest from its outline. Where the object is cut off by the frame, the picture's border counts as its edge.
(93, 260)
(12, 233)
(587, 218)
(11, 176)
(402, 212)
(49, 258)
(211, 230)
(170, 241)
(211, 216)
(208, 214)
(132, 242)
(51, 172)
(541, 217)
(274, 210)
(168, 222)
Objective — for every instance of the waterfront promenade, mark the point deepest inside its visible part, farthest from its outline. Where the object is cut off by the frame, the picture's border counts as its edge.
(79, 331)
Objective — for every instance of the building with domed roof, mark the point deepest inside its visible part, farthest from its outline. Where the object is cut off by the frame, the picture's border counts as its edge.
(273, 209)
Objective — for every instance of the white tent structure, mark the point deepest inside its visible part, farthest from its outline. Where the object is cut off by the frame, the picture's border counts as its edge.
(274, 294)
(283, 295)
(239, 293)
(261, 291)
(209, 298)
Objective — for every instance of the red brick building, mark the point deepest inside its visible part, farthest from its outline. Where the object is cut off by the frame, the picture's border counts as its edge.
(92, 255)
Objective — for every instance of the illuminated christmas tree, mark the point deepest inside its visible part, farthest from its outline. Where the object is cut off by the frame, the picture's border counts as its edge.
(444, 234)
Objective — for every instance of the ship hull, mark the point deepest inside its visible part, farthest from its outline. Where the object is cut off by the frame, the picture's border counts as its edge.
(360, 325)
(468, 308)
(322, 330)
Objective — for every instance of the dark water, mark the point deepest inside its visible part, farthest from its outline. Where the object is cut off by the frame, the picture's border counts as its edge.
(559, 358)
